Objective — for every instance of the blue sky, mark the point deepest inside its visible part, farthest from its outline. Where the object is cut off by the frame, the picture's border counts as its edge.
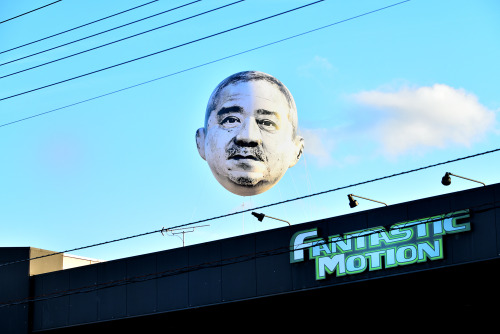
(401, 88)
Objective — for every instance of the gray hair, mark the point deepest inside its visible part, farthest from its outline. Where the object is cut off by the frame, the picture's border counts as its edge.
(247, 76)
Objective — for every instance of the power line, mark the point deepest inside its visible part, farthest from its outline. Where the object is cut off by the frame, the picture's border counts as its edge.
(116, 41)
(201, 65)
(31, 11)
(226, 261)
(105, 31)
(259, 207)
(161, 51)
(78, 27)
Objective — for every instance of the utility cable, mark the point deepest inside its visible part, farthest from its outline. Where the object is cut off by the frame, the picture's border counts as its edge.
(31, 11)
(165, 50)
(105, 31)
(197, 66)
(78, 27)
(229, 261)
(259, 207)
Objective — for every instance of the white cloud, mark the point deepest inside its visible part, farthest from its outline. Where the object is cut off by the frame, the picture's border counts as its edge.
(426, 117)
(319, 144)
(318, 65)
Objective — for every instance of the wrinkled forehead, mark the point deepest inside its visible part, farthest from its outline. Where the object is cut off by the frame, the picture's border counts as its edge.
(271, 87)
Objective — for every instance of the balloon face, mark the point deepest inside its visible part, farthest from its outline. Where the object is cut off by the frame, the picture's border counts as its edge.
(249, 140)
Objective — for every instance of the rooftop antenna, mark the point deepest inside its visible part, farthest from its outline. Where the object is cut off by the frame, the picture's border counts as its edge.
(181, 230)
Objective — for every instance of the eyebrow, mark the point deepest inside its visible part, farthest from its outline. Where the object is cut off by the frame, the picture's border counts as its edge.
(229, 110)
(268, 112)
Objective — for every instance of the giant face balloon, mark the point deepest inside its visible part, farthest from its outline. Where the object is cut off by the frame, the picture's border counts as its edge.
(250, 134)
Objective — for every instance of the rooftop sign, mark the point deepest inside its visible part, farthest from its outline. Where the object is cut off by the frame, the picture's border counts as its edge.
(378, 248)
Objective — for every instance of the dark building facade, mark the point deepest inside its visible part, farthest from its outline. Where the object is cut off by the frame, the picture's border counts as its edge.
(427, 263)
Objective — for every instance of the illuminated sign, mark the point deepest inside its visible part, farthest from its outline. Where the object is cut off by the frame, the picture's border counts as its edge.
(379, 247)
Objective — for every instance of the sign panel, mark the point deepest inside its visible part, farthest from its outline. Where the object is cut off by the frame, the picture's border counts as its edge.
(377, 248)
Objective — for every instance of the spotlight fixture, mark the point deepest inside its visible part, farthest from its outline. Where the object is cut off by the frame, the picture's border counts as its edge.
(260, 217)
(446, 180)
(353, 202)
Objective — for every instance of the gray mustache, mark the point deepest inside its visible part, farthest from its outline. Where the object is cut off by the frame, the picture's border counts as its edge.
(235, 151)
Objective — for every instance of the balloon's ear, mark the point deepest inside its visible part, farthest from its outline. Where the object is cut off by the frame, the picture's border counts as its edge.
(299, 148)
(200, 142)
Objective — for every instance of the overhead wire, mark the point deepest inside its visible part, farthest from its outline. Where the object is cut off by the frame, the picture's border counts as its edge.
(236, 259)
(164, 50)
(80, 26)
(31, 11)
(265, 206)
(257, 208)
(373, 180)
(108, 30)
(201, 65)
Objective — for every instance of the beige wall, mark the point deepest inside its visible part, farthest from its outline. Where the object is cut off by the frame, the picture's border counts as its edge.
(72, 261)
(48, 263)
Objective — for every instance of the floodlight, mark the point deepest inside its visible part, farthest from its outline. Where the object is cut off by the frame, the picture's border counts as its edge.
(353, 202)
(260, 217)
(446, 180)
